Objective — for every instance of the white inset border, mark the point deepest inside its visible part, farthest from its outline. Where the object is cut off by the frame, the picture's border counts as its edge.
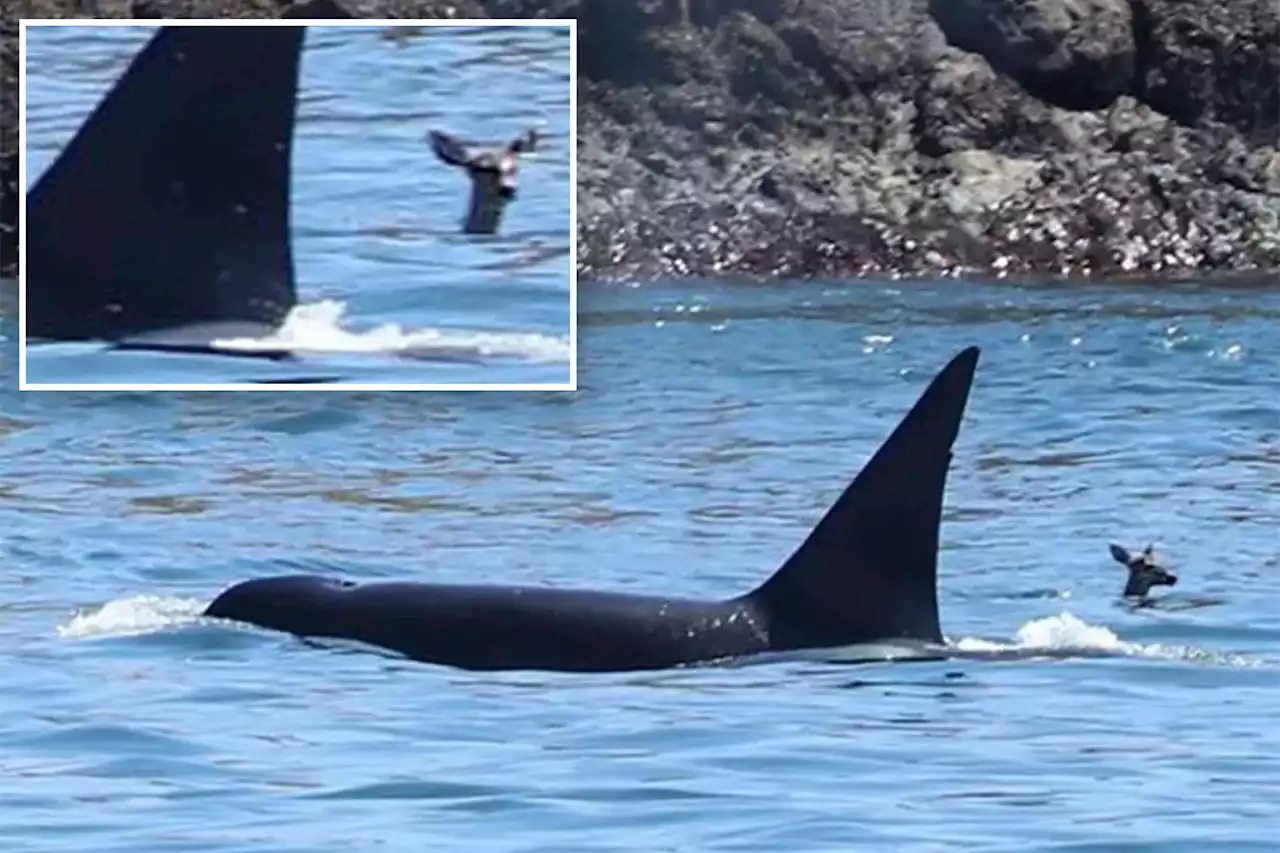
(570, 23)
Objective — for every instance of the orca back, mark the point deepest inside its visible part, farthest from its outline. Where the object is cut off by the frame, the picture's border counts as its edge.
(867, 572)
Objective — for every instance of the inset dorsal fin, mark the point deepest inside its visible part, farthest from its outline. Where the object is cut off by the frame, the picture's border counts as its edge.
(170, 205)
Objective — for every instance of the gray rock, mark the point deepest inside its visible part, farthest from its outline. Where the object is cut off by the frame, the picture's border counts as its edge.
(1211, 60)
(846, 137)
(983, 180)
(1077, 54)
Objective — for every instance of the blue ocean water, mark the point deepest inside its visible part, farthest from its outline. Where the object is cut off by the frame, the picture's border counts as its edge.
(381, 264)
(716, 423)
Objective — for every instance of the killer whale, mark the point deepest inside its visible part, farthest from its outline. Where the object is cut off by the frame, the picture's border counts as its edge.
(164, 223)
(867, 572)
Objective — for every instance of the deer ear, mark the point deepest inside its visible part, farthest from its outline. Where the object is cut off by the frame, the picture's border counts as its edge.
(527, 142)
(1119, 554)
(448, 148)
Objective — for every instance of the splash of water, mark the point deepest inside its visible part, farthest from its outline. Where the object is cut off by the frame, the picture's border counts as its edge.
(316, 328)
(1067, 636)
(139, 614)
(1064, 632)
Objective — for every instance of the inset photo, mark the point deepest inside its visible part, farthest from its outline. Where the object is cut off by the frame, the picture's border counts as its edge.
(310, 204)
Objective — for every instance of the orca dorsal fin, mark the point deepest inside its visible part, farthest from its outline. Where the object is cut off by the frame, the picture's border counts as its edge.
(170, 205)
(868, 570)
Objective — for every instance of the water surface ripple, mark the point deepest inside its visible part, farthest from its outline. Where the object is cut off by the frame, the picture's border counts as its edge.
(717, 422)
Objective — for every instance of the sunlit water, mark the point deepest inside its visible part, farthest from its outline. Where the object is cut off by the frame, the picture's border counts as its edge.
(716, 425)
(382, 267)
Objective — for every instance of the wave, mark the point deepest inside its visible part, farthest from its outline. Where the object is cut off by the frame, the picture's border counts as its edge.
(139, 614)
(1067, 636)
(317, 328)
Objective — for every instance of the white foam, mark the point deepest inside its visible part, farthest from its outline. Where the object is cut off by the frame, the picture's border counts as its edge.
(1053, 636)
(1056, 633)
(316, 328)
(1067, 631)
(139, 614)
(1066, 635)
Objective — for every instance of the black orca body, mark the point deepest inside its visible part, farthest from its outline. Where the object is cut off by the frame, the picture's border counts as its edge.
(866, 573)
(164, 224)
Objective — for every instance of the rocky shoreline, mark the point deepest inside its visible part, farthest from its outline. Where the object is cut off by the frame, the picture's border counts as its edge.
(887, 137)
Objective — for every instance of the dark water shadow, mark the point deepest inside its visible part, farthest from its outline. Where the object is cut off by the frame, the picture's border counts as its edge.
(1172, 603)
